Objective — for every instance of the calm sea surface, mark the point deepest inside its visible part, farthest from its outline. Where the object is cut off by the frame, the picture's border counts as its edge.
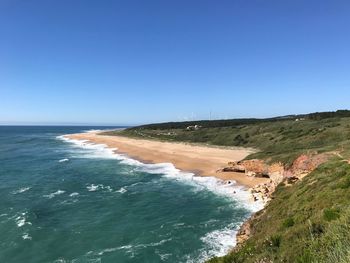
(68, 201)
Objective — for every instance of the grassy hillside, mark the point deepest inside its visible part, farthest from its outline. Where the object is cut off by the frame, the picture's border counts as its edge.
(306, 222)
(235, 122)
(278, 139)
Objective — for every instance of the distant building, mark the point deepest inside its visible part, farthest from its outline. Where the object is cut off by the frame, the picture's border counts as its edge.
(193, 127)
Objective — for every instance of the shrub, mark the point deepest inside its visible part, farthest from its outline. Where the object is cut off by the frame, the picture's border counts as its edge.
(316, 230)
(345, 183)
(331, 214)
(289, 222)
(239, 140)
(306, 257)
(275, 241)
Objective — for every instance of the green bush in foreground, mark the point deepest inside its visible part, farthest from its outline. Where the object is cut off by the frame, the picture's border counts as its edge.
(289, 222)
(331, 214)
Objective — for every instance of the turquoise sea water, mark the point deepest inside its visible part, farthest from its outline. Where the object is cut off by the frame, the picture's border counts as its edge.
(68, 201)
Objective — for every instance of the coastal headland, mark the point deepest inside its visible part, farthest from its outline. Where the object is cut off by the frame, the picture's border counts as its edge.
(300, 170)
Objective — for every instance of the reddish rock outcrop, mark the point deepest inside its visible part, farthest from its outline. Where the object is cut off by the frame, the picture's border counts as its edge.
(278, 173)
(305, 164)
(254, 167)
(243, 233)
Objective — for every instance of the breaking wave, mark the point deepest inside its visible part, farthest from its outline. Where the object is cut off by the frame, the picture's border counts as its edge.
(218, 242)
(52, 195)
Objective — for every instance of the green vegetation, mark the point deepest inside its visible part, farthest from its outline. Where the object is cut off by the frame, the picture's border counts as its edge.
(289, 222)
(306, 222)
(235, 122)
(277, 139)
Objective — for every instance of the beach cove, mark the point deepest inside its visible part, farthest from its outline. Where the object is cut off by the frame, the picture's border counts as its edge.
(200, 163)
(201, 160)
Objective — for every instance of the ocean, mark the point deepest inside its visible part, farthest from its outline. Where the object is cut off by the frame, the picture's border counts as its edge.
(71, 201)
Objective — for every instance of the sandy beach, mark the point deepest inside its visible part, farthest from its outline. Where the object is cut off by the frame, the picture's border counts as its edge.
(202, 160)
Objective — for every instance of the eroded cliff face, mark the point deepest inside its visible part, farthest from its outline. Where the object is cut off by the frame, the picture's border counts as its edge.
(305, 164)
(278, 173)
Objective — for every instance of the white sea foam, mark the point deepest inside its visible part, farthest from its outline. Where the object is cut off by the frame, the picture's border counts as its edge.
(61, 260)
(163, 257)
(128, 248)
(74, 194)
(96, 187)
(108, 188)
(52, 195)
(134, 184)
(178, 225)
(92, 188)
(155, 244)
(21, 190)
(132, 248)
(26, 236)
(63, 160)
(218, 242)
(168, 170)
(21, 220)
(121, 190)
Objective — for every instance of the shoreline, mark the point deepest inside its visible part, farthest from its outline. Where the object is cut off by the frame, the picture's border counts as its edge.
(203, 161)
(187, 158)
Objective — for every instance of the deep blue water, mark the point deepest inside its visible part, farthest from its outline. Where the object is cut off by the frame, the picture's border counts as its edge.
(66, 202)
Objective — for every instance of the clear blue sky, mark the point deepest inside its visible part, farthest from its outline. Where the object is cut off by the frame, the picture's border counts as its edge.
(130, 62)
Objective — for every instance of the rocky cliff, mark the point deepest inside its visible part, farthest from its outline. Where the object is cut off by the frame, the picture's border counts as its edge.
(278, 173)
